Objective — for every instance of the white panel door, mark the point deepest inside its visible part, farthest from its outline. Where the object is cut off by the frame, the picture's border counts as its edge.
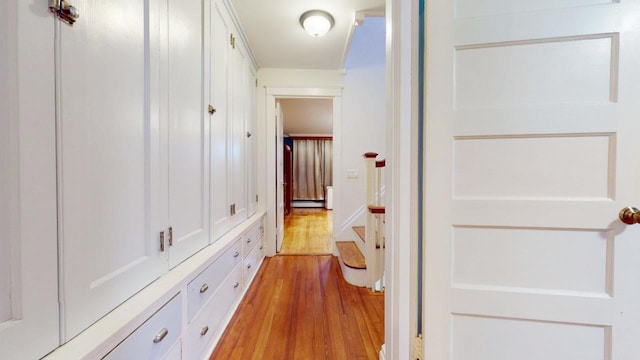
(188, 133)
(531, 151)
(279, 177)
(219, 53)
(28, 241)
(239, 112)
(108, 163)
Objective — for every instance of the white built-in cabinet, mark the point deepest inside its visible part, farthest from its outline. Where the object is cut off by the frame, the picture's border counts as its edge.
(233, 100)
(126, 147)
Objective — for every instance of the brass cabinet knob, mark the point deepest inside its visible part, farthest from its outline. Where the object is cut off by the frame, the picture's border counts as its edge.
(629, 215)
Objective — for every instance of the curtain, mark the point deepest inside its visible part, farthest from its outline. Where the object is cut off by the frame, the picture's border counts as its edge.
(312, 168)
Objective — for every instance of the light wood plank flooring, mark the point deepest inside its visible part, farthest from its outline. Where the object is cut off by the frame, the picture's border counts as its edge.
(308, 231)
(300, 307)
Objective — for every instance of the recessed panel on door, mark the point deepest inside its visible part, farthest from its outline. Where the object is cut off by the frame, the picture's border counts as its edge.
(574, 70)
(471, 8)
(527, 340)
(533, 260)
(108, 158)
(567, 167)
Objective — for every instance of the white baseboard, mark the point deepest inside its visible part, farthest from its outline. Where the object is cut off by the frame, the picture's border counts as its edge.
(383, 353)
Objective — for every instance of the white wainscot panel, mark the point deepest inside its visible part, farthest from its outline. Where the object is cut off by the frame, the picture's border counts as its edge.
(572, 70)
(501, 339)
(572, 167)
(473, 8)
(542, 259)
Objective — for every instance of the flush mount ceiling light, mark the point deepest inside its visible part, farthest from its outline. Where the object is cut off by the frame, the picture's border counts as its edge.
(316, 22)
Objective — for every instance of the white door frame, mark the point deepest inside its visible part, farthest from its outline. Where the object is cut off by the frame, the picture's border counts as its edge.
(402, 99)
(271, 94)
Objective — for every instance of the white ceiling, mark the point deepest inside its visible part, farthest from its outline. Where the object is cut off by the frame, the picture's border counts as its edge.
(278, 41)
(307, 116)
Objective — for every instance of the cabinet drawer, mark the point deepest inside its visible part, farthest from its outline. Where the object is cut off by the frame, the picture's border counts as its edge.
(252, 237)
(252, 261)
(207, 324)
(155, 338)
(202, 287)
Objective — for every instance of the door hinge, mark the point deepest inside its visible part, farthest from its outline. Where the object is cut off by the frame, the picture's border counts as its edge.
(211, 110)
(416, 347)
(232, 209)
(232, 41)
(66, 12)
(256, 82)
(170, 235)
(256, 197)
(161, 241)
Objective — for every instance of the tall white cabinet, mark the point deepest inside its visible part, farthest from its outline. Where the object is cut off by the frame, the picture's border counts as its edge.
(28, 249)
(124, 151)
(231, 99)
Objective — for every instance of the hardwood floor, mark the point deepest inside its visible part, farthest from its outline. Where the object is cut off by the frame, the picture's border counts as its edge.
(308, 231)
(300, 307)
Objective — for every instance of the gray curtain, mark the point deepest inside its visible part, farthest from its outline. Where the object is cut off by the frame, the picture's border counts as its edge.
(312, 168)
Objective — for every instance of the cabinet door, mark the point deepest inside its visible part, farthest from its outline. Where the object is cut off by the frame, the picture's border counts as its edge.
(109, 157)
(219, 50)
(188, 208)
(28, 247)
(252, 147)
(240, 105)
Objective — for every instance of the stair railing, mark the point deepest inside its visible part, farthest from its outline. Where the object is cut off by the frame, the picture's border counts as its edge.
(374, 228)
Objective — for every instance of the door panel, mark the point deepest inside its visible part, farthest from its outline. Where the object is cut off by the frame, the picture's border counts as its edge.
(252, 146)
(219, 99)
(529, 158)
(28, 244)
(239, 91)
(188, 133)
(109, 160)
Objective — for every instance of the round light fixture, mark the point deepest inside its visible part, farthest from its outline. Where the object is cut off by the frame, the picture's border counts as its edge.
(316, 22)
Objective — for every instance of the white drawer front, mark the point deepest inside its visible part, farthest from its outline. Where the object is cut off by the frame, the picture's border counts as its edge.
(208, 322)
(155, 338)
(252, 237)
(202, 287)
(252, 261)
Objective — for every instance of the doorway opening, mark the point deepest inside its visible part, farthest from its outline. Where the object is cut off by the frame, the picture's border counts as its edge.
(304, 129)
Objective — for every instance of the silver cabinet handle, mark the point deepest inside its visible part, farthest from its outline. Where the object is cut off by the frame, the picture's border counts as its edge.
(235, 286)
(249, 266)
(236, 254)
(248, 240)
(204, 330)
(204, 288)
(161, 335)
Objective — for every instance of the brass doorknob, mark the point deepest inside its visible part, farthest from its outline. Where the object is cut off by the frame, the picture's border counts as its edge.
(629, 215)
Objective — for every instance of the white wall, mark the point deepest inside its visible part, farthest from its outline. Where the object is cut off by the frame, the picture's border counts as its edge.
(363, 124)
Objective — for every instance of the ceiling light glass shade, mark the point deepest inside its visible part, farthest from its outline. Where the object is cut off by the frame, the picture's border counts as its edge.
(316, 22)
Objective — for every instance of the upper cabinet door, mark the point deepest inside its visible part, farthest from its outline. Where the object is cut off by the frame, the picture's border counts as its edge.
(219, 52)
(28, 253)
(188, 132)
(109, 158)
(239, 111)
(252, 146)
